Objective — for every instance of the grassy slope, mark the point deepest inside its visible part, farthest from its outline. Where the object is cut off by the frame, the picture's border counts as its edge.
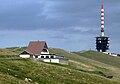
(15, 71)
(11, 51)
(44, 73)
(80, 61)
(114, 61)
(97, 63)
(109, 62)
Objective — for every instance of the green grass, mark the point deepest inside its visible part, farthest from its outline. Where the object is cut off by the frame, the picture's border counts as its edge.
(110, 60)
(98, 62)
(81, 69)
(44, 73)
(78, 61)
(12, 51)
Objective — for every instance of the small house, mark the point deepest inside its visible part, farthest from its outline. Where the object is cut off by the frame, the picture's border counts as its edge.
(39, 50)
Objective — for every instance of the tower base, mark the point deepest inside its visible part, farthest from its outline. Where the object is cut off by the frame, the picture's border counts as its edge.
(102, 44)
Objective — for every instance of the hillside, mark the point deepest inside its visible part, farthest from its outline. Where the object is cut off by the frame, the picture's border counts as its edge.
(42, 73)
(104, 58)
(11, 51)
(92, 62)
(81, 70)
(112, 64)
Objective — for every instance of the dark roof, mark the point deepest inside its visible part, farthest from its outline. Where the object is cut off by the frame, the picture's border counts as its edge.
(36, 47)
(48, 54)
(24, 52)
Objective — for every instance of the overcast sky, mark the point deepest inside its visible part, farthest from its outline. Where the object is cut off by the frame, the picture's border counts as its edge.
(68, 24)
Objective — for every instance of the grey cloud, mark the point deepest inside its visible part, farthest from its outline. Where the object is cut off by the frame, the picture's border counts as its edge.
(76, 20)
(25, 16)
(63, 14)
(57, 14)
(52, 14)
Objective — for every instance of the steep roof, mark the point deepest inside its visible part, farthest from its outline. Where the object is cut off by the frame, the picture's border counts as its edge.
(36, 47)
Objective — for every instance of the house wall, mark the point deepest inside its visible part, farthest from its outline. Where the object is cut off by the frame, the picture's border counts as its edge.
(114, 55)
(45, 52)
(46, 60)
(25, 56)
(54, 60)
(109, 53)
(44, 56)
(51, 60)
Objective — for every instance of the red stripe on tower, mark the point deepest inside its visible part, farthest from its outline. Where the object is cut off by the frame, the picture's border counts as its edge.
(102, 20)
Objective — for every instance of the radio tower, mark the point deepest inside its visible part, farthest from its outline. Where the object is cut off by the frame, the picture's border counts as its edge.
(102, 21)
(102, 42)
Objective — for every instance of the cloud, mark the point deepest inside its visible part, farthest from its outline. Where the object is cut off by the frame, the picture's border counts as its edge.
(41, 15)
(59, 21)
(51, 14)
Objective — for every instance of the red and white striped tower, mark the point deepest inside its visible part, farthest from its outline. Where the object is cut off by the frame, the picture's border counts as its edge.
(102, 42)
(102, 21)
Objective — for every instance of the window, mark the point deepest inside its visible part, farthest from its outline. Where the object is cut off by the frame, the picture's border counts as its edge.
(36, 56)
(42, 56)
(52, 56)
(44, 50)
(104, 38)
(99, 38)
(99, 41)
(47, 56)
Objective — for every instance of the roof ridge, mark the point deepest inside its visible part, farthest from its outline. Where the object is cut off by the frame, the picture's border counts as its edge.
(38, 41)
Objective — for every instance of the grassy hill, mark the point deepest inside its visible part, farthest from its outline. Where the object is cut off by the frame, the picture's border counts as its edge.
(11, 51)
(101, 57)
(109, 62)
(15, 71)
(81, 70)
(92, 62)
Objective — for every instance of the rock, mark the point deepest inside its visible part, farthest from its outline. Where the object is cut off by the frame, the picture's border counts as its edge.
(28, 80)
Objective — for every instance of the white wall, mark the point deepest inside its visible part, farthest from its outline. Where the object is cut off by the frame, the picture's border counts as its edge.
(51, 60)
(55, 60)
(45, 52)
(25, 56)
(39, 56)
(45, 56)
(114, 55)
(46, 60)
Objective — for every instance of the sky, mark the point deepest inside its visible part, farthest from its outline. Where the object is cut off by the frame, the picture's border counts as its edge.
(67, 24)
